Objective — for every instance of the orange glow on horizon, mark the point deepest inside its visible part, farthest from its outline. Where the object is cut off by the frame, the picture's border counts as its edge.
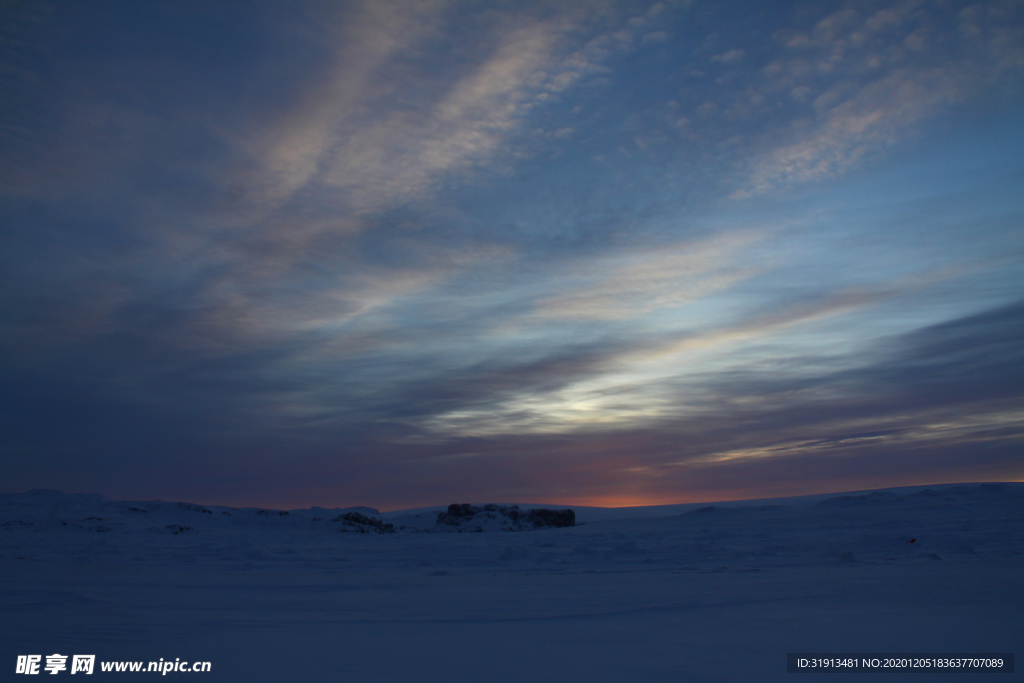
(629, 501)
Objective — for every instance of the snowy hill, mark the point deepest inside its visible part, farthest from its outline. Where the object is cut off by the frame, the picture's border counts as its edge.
(45, 511)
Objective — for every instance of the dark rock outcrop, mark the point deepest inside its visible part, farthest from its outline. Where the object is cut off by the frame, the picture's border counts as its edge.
(457, 513)
(358, 522)
(466, 517)
(541, 518)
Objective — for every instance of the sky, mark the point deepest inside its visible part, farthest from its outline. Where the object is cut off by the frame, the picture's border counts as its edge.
(407, 253)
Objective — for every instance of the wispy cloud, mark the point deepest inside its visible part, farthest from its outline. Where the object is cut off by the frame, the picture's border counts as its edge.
(399, 158)
(654, 375)
(920, 430)
(877, 115)
(634, 284)
(869, 78)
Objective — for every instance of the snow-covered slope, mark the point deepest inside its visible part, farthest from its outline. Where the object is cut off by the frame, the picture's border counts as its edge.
(711, 592)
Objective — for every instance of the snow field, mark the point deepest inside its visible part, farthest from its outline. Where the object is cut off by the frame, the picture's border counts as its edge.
(717, 593)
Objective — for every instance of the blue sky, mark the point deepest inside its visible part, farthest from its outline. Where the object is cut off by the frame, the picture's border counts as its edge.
(406, 253)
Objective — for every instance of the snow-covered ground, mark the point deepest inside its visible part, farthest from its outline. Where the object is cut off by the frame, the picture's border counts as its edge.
(672, 593)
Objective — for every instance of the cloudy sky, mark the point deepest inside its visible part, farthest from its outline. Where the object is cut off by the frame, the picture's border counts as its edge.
(402, 253)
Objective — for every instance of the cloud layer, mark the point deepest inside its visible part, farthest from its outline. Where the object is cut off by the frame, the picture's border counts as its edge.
(396, 253)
